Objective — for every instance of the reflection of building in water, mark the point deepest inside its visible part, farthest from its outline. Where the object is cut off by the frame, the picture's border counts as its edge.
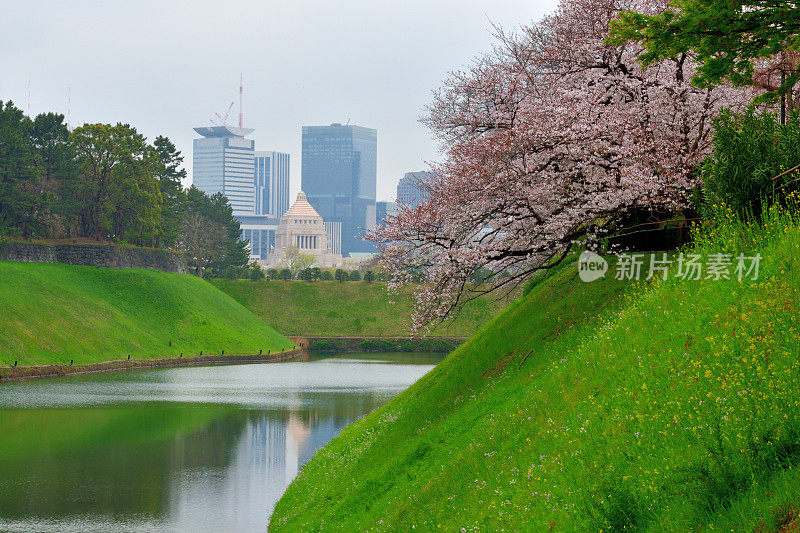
(268, 442)
(296, 435)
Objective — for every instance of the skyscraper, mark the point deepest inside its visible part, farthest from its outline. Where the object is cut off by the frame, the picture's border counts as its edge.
(223, 162)
(411, 190)
(271, 183)
(255, 183)
(339, 174)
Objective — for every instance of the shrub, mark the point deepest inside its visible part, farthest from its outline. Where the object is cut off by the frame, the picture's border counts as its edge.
(354, 276)
(369, 276)
(749, 151)
(341, 275)
(326, 275)
(257, 273)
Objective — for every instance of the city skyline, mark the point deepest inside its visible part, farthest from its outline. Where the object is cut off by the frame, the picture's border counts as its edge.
(376, 66)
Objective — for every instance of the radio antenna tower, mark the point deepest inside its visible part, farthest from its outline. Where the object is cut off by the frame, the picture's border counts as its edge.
(240, 100)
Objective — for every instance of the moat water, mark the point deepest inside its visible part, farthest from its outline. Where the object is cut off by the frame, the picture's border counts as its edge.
(183, 449)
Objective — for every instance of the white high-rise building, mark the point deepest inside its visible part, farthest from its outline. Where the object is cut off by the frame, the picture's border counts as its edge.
(223, 161)
(271, 183)
(255, 183)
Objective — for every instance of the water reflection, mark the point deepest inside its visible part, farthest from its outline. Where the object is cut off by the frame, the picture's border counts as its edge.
(196, 449)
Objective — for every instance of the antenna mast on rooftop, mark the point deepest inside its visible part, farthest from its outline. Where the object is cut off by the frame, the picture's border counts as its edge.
(240, 100)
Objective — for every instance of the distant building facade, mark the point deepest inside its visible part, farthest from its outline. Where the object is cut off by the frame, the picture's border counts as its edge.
(223, 162)
(302, 228)
(259, 231)
(334, 230)
(255, 183)
(339, 175)
(412, 190)
(271, 183)
(384, 210)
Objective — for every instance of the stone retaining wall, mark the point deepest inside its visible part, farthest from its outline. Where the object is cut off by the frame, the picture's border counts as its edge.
(102, 255)
(17, 373)
(379, 344)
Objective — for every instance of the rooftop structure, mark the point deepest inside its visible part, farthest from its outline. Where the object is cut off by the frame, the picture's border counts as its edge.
(223, 131)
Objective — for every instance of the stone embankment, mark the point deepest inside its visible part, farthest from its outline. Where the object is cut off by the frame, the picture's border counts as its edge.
(16, 373)
(378, 344)
(101, 255)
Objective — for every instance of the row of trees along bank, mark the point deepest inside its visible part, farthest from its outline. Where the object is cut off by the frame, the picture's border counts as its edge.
(311, 274)
(106, 183)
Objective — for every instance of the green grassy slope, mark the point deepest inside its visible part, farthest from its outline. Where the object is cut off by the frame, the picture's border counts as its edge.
(353, 308)
(51, 313)
(674, 407)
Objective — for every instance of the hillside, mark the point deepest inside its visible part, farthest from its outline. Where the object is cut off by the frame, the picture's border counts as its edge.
(667, 407)
(52, 313)
(353, 308)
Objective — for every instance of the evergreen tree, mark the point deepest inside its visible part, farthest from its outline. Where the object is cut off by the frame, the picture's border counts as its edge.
(17, 172)
(170, 175)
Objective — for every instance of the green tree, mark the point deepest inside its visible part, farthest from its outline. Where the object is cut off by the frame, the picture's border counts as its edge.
(170, 175)
(119, 192)
(273, 273)
(56, 208)
(217, 212)
(286, 274)
(17, 172)
(355, 276)
(326, 275)
(727, 38)
(369, 276)
(296, 261)
(341, 275)
(256, 272)
(316, 273)
(750, 150)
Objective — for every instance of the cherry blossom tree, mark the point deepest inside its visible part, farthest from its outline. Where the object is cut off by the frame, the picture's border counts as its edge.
(553, 139)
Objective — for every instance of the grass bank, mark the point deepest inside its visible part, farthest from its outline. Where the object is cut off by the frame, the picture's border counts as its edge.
(345, 309)
(672, 406)
(55, 313)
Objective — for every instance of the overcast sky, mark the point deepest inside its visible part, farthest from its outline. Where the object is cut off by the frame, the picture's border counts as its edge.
(165, 67)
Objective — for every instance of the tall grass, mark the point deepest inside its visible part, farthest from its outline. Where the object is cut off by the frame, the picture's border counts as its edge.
(675, 408)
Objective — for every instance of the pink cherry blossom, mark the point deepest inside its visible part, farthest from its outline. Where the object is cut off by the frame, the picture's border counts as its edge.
(547, 142)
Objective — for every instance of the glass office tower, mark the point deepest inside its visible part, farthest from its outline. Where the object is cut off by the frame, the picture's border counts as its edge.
(271, 183)
(339, 174)
(223, 162)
